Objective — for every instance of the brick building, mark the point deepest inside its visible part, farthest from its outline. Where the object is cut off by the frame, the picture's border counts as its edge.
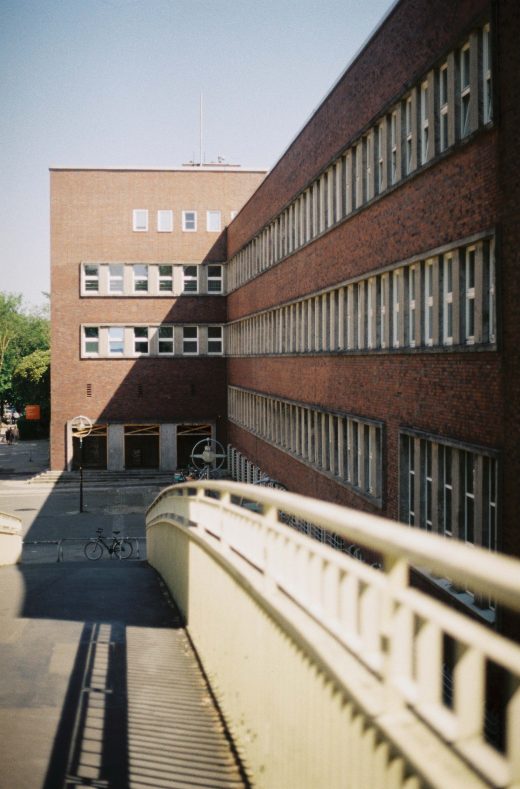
(371, 280)
(137, 282)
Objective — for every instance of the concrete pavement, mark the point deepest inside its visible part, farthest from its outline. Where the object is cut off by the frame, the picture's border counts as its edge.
(99, 684)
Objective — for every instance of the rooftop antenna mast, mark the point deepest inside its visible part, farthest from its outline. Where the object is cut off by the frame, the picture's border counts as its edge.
(200, 135)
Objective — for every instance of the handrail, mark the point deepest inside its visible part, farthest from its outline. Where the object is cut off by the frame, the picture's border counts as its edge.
(397, 633)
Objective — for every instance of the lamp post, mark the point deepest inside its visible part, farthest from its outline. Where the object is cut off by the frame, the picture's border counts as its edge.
(81, 427)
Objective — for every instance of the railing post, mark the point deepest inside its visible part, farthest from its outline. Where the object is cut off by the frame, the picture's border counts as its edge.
(396, 631)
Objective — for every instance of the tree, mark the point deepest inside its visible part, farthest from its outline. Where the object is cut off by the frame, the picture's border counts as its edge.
(21, 333)
(31, 385)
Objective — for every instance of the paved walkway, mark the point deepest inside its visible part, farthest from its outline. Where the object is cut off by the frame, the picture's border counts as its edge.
(99, 686)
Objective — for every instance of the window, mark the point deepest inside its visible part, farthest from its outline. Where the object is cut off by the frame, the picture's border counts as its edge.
(213, 221)
(140, 278)
(424, 123)
(443, 107)
(469, 277)
(233, 214)
(116, 340)
(165, 279)
(412, 304)
(190, 340)
(368, 167)
(91, 340)
(380, 181)
(396, 308)
(215, 343)
(408, 135)
(393, 148)
(165, 339)
(190, 281)
(446, 490)
(115, 278)
(91, 278)
(447, 300)
(189, 221)
(140, 220)
(215, 279)
(164, 221)
(465, 90)
(486, 74)
(428, 302)
(141, 340)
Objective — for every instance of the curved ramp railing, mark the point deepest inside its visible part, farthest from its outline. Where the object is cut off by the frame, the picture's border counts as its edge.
(10, 539)
(329, 672)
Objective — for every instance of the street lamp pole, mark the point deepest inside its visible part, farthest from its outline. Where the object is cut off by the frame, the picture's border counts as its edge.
(81, 427)
(81, 509)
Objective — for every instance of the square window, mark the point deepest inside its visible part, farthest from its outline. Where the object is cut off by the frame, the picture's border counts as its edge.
(215, 339)
(190, 340)
(165, 339)
(164, 221)
(140, 220)
(213, 221)
(189, 221)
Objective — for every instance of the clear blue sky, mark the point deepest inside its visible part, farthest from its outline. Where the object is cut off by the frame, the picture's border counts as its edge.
(100, 83)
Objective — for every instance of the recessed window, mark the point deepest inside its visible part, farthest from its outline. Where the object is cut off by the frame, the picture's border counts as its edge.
(465, 90)
(116, 340)
(189, 221)
(424, 130)
(166, 278)
(140, 222)
(486, 74)
(115, 278)
(213, 221)
(165, 339)
(164, 221)
(91, 278)
(91, 340)
(215, 344)
(140, 278)
(408, 130)
(443, 107)
(141, 340)
(214, 279)
(190, 340)
(190, 283)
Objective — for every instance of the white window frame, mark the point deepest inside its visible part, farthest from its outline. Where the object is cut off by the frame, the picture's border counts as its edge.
(396, 308)
(140, 277)
(487, 85)
(141, 336)
(115, 278)
(425, 141)
(164, 279)
(113, 340)
(428, 302)
(443, 108)
(190, 278)
(140, 220)
(89, 278)
(470, 272)
(465, 89)
(394, 175)
(189, 217)
(164, 220)
(448, 307)
(213, 220)
(186, 340)
(409, 142)
(169, 338)
(215, 340)
(87, 340)
(412, 305)
(215, 280)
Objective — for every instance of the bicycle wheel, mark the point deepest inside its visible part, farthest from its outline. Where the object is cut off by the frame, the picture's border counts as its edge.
(93, 550)
(125, 549)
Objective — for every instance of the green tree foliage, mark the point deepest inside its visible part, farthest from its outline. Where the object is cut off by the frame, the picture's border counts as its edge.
(21, 333)
(31, 385)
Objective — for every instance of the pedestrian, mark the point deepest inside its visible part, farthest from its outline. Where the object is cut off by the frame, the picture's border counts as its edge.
(9, 435)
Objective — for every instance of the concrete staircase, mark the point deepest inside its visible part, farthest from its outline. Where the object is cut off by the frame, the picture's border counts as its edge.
(105, 479)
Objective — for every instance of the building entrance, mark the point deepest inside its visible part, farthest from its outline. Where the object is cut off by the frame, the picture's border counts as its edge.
(187, 437)
(141, 446)
(94, 449)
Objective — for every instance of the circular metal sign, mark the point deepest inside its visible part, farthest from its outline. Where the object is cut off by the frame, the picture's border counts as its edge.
(81, 426)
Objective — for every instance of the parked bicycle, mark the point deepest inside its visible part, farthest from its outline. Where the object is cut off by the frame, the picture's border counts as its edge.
(116, 546)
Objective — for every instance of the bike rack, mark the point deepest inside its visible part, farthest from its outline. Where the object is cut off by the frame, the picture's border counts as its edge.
(59, 544)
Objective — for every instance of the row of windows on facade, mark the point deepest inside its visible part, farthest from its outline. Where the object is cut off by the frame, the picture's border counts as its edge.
(164, 340)
(452, 101)
(189, 220)
(142, 279)
(445, 487)
(443, 300)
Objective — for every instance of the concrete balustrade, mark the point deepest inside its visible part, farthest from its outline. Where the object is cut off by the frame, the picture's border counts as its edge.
(330, 672)
(10, 539)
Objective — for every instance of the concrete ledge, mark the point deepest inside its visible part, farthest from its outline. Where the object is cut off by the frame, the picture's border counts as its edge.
(10, 539)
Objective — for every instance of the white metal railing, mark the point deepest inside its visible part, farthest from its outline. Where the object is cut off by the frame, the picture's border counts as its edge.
(399, 636)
